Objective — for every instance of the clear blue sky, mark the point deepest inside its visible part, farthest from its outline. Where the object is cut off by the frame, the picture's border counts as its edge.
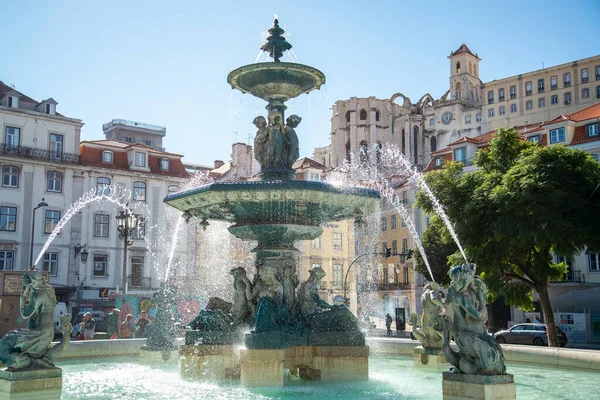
(166, 62)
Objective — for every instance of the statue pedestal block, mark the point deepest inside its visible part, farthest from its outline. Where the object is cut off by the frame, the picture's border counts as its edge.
(210, 362)
(263, 367)
(488, 387)
(40, 384)
(152, 357)
(425, 358)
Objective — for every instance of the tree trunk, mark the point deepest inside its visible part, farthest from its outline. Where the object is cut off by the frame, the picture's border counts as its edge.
(542, 291)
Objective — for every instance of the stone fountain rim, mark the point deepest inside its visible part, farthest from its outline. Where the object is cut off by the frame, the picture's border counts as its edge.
(233, 77)
(275, 185)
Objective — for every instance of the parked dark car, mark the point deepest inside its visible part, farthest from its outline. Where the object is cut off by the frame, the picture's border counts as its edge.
(534, 334)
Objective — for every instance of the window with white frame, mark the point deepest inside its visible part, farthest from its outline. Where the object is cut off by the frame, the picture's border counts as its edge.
(394, 221)
(491, 112)
(314, 177)
(103, 186)
(554, 99)
(107, 157)
(502, 110)
(140, 159)
(541, 102)
(585, 93)
(405, 197)
(12, 138)
(501, 94)
(568, 98)
(459, 155)
(438, 162)
(165, 164)
(592, 130)
(7, 258)
(567, 79)
(534, 139)
(8, 219)
(139, 233)
(467, 119)
(338, 276)
(594, 262)
(51, 219)
(431, 121)
(13, 102)
(394, 247)
(56, 145)
(100, 265)
(540, 85)
(585, 75)
(478, 117)
(490, 96)
(337, 241)
(383, 224)
(10, 176)
(54, 182)
(404, 245)
(316, 243)
(528, 88)
(513, 92)
(101, 225)
(50, 263)
(557, 135)
(513, 108)
(139, 191)
(529, 105)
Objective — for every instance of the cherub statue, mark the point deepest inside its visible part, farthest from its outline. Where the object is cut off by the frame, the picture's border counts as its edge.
(242, 308)
(292, 150)
(430, 333)
(478, 352)
(31, 347)
(260, 140)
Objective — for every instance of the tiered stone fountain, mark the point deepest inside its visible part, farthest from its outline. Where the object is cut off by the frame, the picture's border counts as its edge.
(291, 329)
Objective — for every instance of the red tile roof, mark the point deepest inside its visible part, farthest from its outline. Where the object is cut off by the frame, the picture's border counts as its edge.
(445, 157)
(463, 49)
(580, 136)
(306, 162)
(591, 112)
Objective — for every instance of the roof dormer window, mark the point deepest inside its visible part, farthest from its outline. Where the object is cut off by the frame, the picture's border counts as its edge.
(13, 102)
(164, 164)
(140, 159)
(107, 157)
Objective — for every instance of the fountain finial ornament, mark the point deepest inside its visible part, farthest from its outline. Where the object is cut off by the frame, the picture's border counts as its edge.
(276, 43)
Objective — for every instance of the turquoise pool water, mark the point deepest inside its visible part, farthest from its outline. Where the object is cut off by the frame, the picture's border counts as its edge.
(390, 378)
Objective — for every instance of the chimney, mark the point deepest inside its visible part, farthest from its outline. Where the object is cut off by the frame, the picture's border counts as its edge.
(218, 163)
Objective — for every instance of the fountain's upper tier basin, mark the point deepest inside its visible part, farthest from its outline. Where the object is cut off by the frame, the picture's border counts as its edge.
(276, 81)
(281, 202)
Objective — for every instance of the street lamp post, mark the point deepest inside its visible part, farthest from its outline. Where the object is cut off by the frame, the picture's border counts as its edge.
(40, 205)
(127, 222)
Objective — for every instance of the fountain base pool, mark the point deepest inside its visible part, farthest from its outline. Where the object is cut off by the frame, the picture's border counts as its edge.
(32, 384)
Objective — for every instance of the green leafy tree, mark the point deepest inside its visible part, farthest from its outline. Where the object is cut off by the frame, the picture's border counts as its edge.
(438, 245)
(523, 204)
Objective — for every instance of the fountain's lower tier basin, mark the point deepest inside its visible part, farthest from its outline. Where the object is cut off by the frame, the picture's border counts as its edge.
(30, 385)
(274, 367)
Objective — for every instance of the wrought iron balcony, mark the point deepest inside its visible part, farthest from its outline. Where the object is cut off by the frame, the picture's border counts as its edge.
(394, 286)
(38, 154)
(139, 282)
(570, 276)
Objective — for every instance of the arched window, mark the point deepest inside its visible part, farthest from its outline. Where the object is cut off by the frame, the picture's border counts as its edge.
(348, 155)
(403, 141)
(10, 176)
(363, 115)
(458, 67)
(54, 182)
(139, 191)
(103, 186)
(347, 116)
(173, 188)
(364, 152)
(378, 153)
(416, 143)
(433, 144)
(377, 115)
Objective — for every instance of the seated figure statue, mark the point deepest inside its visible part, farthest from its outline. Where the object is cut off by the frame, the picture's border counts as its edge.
(319, 315)
(465, 303)
(429, 334)
(31, 347)
(241, 312)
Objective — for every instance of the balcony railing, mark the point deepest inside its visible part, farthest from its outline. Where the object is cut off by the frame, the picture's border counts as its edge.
(38, 154)
(394, 286)
(139, 282)
(571, 276)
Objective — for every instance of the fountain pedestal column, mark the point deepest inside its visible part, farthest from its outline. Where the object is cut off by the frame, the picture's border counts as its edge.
(43, 384)
(478, 387)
